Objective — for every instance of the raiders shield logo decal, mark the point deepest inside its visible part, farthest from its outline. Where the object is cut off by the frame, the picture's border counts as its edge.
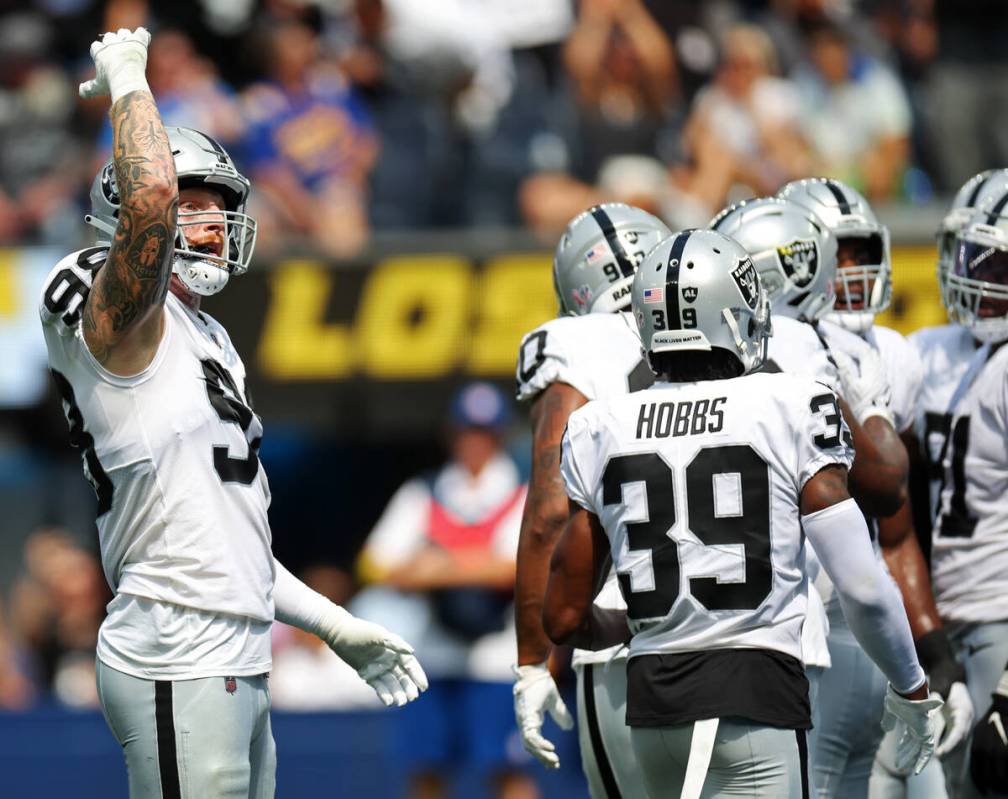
(800, 261)
(689, 293)
(747, 281)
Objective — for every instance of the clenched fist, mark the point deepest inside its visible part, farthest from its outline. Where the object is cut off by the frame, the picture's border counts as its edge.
(120, 63)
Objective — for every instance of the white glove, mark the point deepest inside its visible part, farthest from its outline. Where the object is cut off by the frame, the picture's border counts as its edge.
(120, 63)
(864, 384)
(914, 724)
(382, 659)
(535, 694)
(958, 714)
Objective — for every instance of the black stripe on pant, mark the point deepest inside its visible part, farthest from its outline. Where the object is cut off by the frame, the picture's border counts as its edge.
(803, 761)
(164, 719)
(595, 734)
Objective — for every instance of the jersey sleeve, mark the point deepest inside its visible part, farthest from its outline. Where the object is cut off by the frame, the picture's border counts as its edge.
(905, 372)
(67, 287)
(823, 438)
(575, 458)
(546, 356)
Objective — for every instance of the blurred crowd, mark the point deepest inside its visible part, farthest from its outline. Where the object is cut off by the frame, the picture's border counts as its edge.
(354, 116)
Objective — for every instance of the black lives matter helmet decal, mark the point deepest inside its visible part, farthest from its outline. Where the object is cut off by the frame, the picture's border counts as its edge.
(800, 261)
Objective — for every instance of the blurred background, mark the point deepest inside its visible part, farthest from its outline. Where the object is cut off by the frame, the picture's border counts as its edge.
(413, 162)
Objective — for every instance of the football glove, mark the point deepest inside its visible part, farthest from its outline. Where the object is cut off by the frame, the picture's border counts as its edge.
(120, 63)
(382, 659)
(914, 724)
(989, 750)
(947, 678)
(535, 694)
(864, 385)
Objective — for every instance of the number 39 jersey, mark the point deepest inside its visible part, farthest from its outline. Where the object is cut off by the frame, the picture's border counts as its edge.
(171, 453)
(697, 486)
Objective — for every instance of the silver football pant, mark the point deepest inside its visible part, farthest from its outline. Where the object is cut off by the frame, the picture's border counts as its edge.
(191, 739)
(603, 735)
(746, 760)
(848, 719)
(983, 651)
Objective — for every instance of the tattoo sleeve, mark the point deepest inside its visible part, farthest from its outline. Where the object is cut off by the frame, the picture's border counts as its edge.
(136, 273)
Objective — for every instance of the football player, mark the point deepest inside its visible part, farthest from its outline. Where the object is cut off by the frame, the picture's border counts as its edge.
(863, 290)
(155, 396)
(969, 551)
(702, 489)
(592, 351)
(795, 252)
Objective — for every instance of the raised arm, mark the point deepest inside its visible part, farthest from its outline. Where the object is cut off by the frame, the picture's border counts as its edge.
(122, 321)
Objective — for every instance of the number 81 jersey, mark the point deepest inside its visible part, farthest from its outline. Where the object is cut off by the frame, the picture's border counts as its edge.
(697, 486)
(171, 453)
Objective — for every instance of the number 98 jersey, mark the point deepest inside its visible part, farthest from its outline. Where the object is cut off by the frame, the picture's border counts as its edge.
(171, 453)
(697, 486)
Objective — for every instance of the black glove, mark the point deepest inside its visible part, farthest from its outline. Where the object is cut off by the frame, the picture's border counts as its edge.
(989, 751)
(937, 658)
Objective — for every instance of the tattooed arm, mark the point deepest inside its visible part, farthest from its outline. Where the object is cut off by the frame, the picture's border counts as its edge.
(123, 317)
(543, 519)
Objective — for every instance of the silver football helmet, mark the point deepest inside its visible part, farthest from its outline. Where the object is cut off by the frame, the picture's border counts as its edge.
(865, 287)
(794, 253)
(597, 256)
(199, 162)
(697, 290)
(978, 284)
(972, 194)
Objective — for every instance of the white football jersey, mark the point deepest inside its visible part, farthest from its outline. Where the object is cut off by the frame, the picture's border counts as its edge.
(969, 550)
(796, 348)
(599, 355)
(697, 486)
(945, 353)
(903, 370)
(171, 453)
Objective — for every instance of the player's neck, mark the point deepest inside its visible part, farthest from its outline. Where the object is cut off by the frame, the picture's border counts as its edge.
(186, 297)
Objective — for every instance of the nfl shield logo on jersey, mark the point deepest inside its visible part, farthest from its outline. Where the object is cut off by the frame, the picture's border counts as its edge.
(800, 261)
(230, 684)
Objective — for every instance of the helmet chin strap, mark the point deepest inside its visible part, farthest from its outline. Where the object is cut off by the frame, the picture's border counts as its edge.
(200, 276)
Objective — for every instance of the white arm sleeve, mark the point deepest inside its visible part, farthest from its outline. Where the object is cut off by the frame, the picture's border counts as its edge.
(870, 601)
(298, 605)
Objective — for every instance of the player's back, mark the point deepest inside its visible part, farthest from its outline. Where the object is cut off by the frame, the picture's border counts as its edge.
(172, 454)
(599, 354)
(697, 486)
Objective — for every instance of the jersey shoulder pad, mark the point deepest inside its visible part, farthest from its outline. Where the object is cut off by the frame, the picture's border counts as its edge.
(67, 287)
(928, 338)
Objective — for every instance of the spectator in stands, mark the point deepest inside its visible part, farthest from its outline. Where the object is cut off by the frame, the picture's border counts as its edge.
(188, 91)
(307, 674)
(622, 68)
(41, 162)
(57, 606)
(309, 145)
(742, 130)
(443, 559)
(854, 113)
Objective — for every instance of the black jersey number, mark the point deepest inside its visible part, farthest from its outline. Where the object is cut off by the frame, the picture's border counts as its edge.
(529, 363)
(231, 408)
(81, 438)
(957, 521)
(741, 517)
(827, 405)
